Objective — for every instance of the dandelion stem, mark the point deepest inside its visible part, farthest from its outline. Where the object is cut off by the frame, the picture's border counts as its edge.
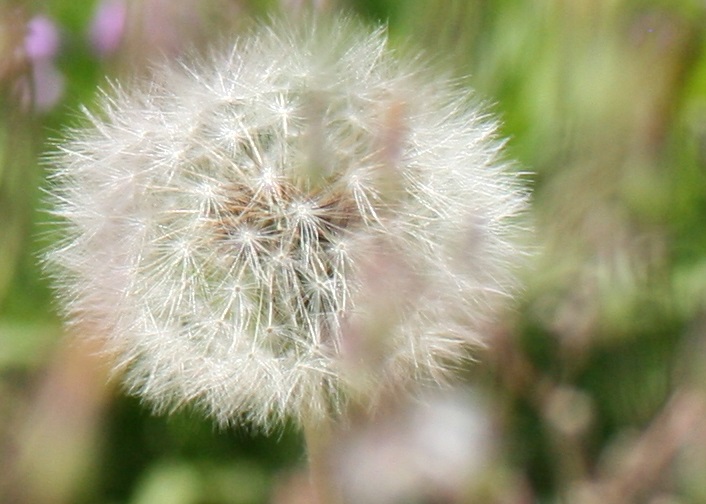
(317, 436)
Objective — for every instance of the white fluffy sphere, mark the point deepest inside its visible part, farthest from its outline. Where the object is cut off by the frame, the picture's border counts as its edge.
(264, 231)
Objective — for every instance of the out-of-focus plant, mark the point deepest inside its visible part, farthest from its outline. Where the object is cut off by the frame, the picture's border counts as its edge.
(30, 84)
(594, 388)
(41, 45)
(107, 29)
(595, 95)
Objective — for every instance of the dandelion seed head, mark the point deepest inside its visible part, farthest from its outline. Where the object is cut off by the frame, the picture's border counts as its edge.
(244, 229)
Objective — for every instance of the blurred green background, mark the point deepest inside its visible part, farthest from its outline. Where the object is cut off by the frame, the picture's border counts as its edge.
(596, 380)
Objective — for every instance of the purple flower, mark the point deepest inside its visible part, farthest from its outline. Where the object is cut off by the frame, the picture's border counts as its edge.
(46, 84)
(42, 39)
(108, 26)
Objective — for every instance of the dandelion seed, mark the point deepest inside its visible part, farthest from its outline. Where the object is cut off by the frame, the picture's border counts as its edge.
(268, 230)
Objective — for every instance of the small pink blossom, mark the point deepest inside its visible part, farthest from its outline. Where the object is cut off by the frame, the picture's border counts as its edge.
(42, 39)
(45, 85)
(107, 28)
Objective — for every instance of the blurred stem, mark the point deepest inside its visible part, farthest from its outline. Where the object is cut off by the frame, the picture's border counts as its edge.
(520, 378)
(318, 436)
(17, 178)
(644, 466)
(60, 422)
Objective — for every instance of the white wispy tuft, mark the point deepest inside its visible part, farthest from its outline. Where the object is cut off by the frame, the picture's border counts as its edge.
(301, 217)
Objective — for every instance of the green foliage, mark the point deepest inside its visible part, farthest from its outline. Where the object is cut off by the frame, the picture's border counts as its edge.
(604, 102)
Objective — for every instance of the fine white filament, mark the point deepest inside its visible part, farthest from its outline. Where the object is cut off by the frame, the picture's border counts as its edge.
(262, 231)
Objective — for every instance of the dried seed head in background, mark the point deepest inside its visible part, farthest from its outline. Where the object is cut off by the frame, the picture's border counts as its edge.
(265, 230)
